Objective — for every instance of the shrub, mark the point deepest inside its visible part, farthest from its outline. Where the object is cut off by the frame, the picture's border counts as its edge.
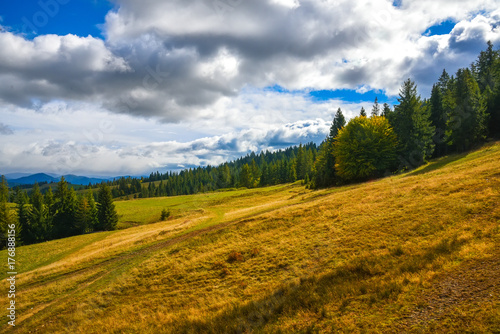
(165, 214)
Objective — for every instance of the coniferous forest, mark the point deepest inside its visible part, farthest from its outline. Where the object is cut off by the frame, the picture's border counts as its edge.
(462, 111)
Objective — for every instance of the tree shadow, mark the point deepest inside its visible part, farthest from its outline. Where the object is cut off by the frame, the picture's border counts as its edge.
(437, 164)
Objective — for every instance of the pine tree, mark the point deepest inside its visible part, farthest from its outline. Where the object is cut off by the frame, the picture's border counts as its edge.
(246, 179)
(438, 120)
(411, 121)
(467, 124)
(82, 216)
(48, 199)
(64, 206)
(93, 213)
(337, 124)
(38, 218)
(486, 71)
(300, 166)
(324, 167)
(444, 82)
(362, 112)
(22, 216)
(107, 216)
(255, 173)
(376, 108)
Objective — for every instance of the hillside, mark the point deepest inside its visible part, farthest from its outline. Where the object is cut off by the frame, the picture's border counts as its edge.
(418, 252)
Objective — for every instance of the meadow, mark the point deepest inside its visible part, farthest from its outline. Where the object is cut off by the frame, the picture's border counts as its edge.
(412, 253)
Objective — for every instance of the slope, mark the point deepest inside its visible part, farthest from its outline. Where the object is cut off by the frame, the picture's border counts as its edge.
(410, 253)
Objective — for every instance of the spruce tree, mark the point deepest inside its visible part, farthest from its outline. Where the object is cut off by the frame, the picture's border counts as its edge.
(324, 167)
(411, 121)
(38, 217)
(64, 207)
(107, 216)
(467, 123)
(376, 108)
(22, 216)
(438, 120)
(246, 178)
(362, 112)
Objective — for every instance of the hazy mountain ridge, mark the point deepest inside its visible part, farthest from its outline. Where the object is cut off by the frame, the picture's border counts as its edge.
(43, 177)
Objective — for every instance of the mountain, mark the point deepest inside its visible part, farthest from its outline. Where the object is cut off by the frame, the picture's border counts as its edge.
(11, 176)
(14, 179)
(82, 180)
(31, 179)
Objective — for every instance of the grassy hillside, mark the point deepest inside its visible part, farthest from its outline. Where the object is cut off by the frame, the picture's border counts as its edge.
(412, 253)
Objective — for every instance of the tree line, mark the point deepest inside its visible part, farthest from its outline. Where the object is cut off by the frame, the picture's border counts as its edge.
(42, 217)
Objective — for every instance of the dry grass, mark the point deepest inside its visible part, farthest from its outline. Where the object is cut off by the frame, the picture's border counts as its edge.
(411, 253)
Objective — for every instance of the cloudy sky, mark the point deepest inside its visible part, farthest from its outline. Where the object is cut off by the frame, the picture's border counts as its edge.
(130, 87)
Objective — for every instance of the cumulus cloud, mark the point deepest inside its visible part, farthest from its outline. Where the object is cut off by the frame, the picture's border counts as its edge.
(171, 60)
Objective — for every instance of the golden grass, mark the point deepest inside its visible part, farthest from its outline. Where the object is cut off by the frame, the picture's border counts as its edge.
(412, 253)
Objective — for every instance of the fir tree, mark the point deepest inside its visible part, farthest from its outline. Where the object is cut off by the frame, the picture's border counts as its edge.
(376, 108)
(107, 216)
(362, 112)
(64, 206)
(38, 218)
(411, 121)
(438, 120)
(467, 122)
(246, 179)
(324, 167)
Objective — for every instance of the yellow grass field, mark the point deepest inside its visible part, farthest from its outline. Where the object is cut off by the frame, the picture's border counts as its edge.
(412, 253)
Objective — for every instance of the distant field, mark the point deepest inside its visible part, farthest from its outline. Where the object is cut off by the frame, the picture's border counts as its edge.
(413, 253)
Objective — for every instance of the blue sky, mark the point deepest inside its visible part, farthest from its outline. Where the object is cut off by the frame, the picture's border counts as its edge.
(79, 17)
(130, 87)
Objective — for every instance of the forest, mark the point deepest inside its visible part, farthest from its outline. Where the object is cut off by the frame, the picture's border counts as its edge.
(462, 112)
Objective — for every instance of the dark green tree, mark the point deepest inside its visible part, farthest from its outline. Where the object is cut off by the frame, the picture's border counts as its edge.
(376, 108)
(246, 177)
(65, 208)
(107, 216)
(438, 120)
(324, 167)
(362, 112)
(22, 216)
(39, 228)
(467, 122)
(411, 121)
(486, 71)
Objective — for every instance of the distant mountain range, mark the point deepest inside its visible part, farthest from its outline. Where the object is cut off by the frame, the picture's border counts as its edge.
(16, 179)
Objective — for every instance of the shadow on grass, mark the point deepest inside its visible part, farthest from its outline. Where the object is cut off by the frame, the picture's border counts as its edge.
(345, 283)
(437, 164)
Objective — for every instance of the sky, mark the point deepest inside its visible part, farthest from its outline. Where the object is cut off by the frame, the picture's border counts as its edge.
(124, 87)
